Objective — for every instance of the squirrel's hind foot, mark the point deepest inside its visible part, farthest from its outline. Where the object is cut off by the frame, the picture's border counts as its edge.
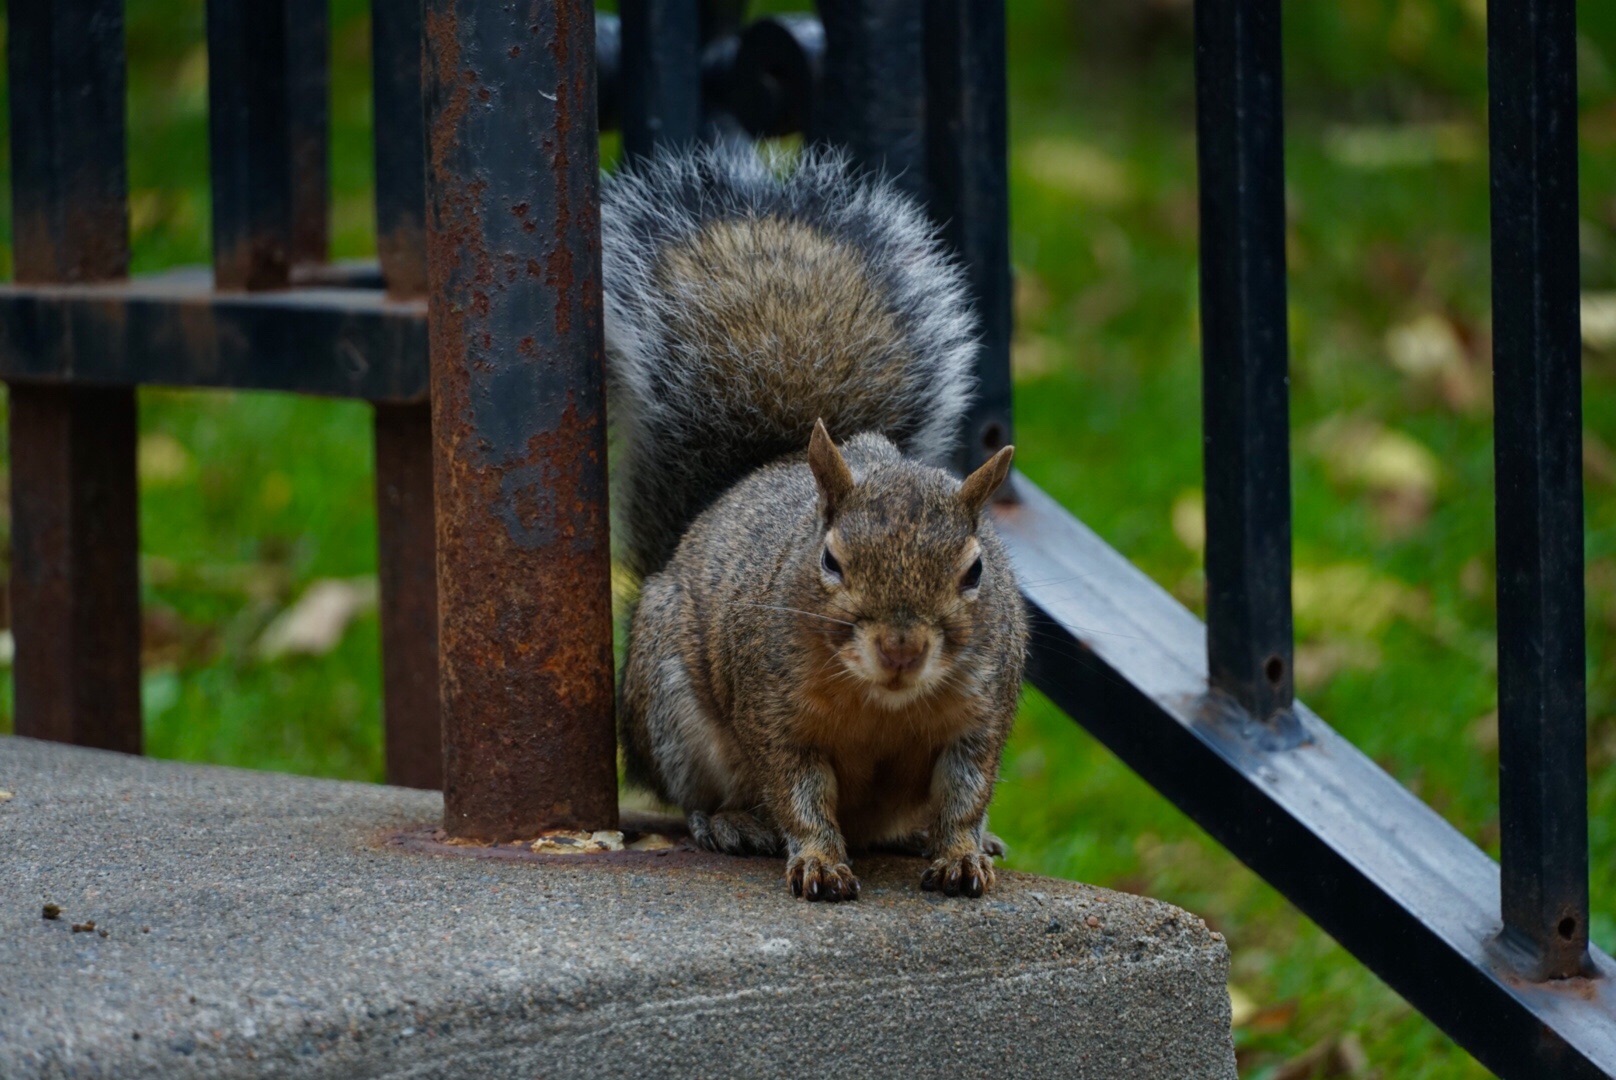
(970, 875)
(814, 879)
(734, 832)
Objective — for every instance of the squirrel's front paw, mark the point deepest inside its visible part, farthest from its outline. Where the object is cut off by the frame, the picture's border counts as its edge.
(970, 875)
(814, 879)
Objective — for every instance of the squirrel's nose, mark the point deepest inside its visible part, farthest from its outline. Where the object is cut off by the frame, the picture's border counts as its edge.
(902, 652)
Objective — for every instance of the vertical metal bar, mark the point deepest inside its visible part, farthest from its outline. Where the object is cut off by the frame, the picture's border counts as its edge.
(406, 556)
(1244, 380)
(308, 58)
(75, 585)
(968, 173)
(250, 137)
(661, 75)
(407, 569)
(400, 125)
(518, 418)
(874, 96)
(1537, 371)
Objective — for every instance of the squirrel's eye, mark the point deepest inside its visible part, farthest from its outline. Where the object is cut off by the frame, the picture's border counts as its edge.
(828, 563)
(973, 576)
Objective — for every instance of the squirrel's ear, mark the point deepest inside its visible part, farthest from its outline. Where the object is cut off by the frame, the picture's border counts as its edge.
(831, 473)
(979, 487)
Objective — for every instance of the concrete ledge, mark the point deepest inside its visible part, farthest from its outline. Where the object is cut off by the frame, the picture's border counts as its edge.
(257, 925)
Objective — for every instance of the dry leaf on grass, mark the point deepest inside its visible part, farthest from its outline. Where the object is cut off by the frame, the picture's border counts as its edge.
(1599, 321)
(1189, 519)
(1399, 471)
(1431, 351)
(316, 623)
(161, 459)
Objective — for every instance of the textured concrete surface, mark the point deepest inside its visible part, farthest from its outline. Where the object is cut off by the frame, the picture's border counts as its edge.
(261, 925)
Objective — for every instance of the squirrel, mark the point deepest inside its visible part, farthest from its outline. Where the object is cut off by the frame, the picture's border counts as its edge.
(828, 644)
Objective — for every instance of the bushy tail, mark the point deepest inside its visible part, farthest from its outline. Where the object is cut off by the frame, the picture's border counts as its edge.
(746, 297)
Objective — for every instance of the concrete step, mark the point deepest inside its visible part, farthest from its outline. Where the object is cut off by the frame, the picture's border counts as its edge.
(254, 924)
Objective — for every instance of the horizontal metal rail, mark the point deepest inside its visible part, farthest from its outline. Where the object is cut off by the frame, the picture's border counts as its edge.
(174, 330)
(1375, 867)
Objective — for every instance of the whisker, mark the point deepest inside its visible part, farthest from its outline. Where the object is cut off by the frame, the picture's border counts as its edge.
(798, 611)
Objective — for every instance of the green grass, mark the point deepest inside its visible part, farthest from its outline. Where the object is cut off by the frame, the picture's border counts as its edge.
(248, 499)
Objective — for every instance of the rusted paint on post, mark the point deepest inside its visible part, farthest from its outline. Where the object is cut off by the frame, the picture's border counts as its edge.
(75, 585)
(518, 417)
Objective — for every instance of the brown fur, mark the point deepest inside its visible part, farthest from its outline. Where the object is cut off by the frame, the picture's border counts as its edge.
(747, 697)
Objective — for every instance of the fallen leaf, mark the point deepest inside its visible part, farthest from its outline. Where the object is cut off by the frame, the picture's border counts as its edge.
(650, 842)
(1241, 1007)
(1397, 469)
(1351, 1056)
(1189, 520)
(577, 842)
(1378, 457)
(1599, 321)
(1432, 351)
(161, 460)
(316, 623)
(1424, 346)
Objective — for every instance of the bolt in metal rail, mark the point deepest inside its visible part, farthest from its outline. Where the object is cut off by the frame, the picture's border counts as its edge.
(1499, 958)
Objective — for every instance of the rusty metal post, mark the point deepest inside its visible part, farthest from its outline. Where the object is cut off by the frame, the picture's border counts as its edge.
(75, 585)
(518, 418)
(406, 559)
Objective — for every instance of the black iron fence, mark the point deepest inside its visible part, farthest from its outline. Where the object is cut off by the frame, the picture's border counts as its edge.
(487, 213)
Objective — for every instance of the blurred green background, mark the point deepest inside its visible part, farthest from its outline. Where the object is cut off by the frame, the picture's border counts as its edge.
(253, 503)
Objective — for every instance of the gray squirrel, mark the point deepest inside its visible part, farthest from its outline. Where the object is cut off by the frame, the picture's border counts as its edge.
(828, 645)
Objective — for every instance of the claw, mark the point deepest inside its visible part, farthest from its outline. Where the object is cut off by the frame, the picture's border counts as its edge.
(968, 875)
